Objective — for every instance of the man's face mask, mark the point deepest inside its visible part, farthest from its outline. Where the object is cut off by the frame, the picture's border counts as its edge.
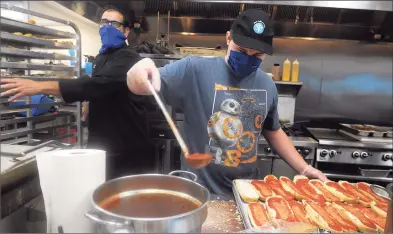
(242, 64)
(111, 37)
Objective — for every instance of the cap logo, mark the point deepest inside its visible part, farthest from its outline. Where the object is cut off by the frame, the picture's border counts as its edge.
(259, 27)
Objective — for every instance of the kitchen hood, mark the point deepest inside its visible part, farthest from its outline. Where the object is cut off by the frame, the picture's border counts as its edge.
(348, 20)
(343, 20)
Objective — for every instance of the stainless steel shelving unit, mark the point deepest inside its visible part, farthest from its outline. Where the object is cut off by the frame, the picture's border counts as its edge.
(14, 49)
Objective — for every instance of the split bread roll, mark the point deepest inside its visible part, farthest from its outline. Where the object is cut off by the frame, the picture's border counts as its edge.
(309, 191)
(362, 199)
(299, 212)
(365, 189)
(356, 216)
(276, 187)
(379, 221)
(278, 209)
(289, 186)
(262, 188)
(257, 214)
(247, 191)
(321, 217)
(345, 223)
(380, 209)
(318, 185)
(340, 192)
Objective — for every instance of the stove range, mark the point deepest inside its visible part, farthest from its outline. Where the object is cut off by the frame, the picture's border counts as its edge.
(344, 155)
(270, 163)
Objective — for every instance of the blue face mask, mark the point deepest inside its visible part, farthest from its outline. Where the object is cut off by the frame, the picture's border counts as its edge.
(242, 64)
(111, 38)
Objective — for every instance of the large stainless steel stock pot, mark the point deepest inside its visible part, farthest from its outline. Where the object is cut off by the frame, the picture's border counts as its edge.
(150, 203)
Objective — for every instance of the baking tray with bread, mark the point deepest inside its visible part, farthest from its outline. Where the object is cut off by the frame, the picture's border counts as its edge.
(318, 206)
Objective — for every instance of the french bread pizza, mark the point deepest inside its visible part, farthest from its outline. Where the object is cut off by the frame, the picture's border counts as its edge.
(318, 185)
(299, 212)
(321, 217)
(278, 209)
(289, 186)
(257, 214)
(276, 187)
(310, 193)
(246, 191)
(340, 192)
(262, 188)
(269, 178)
(353, 214)
(380, 209)
(345, 223)
(379, 221)
(363, 199)
(300, 179)
(365, 189)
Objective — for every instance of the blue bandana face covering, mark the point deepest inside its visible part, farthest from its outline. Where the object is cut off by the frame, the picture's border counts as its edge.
(111, 38)
(242, 64)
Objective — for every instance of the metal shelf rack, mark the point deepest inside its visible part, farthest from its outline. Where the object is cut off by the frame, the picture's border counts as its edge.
(21, 43)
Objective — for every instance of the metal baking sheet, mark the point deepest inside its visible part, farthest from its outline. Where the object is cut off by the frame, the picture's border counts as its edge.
(9, 38)
(15, 52)
(11, 25)
(242, 206)
(350, 129)
(41, 67)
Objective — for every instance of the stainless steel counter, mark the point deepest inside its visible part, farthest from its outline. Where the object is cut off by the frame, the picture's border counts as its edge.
(19, 177)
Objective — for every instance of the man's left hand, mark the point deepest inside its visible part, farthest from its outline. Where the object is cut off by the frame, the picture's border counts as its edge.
(314, 173)
(19, 88)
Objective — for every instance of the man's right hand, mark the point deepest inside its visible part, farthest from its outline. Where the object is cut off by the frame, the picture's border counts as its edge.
(140, 74)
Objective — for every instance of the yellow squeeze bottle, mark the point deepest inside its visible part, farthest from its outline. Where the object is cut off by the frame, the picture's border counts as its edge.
(286, 69)
(295, 71)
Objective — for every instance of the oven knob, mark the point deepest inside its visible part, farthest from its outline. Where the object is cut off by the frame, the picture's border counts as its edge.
(364, 155)
(324, 153)
(268, 150)
(306, 152)
(299, 151)
(333, 153)
(386, 157)
(355, 154)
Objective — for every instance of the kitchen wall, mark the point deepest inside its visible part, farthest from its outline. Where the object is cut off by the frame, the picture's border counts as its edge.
(342, 80)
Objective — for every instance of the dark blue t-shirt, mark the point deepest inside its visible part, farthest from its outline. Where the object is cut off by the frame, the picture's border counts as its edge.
(223, 116)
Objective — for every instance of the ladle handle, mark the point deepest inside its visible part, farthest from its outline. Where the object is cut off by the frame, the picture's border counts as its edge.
(168, 118)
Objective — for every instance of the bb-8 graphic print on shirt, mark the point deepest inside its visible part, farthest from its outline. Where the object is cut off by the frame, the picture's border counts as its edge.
(235, 125)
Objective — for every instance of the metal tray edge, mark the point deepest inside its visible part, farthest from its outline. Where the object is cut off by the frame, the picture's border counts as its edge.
(241, 206)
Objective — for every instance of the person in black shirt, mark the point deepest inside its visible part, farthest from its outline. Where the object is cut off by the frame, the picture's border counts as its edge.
(117, 117)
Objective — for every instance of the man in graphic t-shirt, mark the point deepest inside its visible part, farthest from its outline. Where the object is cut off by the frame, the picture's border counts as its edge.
(227, 103)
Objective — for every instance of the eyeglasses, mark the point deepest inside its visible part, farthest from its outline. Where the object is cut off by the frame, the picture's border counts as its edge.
(113, 23)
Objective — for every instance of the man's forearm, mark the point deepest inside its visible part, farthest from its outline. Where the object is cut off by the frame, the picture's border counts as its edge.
(281, 144)
(50, 88)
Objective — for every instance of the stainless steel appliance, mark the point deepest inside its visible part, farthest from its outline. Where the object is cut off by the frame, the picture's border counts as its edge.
(344, 155)
(107, 221)
(270, 163)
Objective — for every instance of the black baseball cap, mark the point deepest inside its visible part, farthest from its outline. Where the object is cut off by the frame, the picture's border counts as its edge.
(253, 29)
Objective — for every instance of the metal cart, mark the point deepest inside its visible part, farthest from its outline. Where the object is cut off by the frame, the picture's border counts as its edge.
(24, 52)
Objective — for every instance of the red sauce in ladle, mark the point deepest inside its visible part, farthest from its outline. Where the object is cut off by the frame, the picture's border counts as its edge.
(198, 160)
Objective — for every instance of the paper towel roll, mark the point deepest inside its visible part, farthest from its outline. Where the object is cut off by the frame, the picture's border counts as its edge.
(68, 179)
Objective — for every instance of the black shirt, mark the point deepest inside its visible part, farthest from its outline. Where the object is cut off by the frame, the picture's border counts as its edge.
(117, 117)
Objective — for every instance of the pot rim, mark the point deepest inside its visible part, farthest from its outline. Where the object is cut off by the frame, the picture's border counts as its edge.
(202, 206)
